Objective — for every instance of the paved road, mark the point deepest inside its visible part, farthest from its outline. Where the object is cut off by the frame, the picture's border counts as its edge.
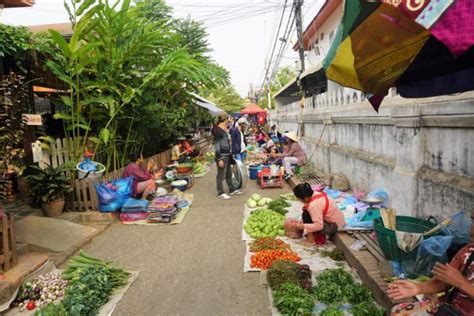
(194, 268)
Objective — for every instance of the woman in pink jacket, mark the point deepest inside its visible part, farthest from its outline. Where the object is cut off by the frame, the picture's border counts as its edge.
(321, 216)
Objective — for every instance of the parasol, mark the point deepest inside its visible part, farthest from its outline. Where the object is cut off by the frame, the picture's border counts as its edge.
(252, 109)
(423, 47)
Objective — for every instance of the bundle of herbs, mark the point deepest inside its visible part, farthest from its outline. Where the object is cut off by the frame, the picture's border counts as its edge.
(279, 206)
(290, 299)
(283, 271)
(337, 286)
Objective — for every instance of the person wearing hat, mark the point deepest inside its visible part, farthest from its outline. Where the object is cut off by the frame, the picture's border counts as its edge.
(295, 154)
(223, 151)
(238, 140)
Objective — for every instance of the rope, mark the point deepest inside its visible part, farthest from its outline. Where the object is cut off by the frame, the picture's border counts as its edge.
(319, 141)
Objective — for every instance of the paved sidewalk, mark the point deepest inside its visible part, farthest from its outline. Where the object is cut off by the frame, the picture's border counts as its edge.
(194, 268)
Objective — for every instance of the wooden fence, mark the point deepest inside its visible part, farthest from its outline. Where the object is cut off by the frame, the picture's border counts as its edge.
(84, 196)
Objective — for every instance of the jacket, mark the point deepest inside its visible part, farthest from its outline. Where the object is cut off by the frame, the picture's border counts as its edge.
(236, 140)
(221, 142)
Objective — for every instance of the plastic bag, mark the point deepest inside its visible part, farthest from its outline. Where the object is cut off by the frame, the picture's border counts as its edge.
(430, 252)
(460, 229)
(113, 195)
(132, 205)
(356, 221)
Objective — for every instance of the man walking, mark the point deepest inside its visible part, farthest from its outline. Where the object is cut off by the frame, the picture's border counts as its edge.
(223, 156)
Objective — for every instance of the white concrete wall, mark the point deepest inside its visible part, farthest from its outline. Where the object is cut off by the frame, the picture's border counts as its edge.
(420, 150)
(330, 25)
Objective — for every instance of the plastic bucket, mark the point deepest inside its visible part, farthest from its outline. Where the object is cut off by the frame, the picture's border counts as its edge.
(82, 174)
(253, 172)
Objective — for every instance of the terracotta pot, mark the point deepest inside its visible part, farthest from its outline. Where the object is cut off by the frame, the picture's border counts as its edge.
(24, 189)
(54, 208)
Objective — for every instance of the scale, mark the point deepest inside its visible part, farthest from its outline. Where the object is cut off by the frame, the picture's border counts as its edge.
(372, 212)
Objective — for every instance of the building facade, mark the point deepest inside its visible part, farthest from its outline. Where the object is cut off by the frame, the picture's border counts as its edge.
(421, 151)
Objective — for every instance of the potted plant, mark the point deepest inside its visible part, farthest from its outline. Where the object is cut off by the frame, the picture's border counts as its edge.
(49, 187)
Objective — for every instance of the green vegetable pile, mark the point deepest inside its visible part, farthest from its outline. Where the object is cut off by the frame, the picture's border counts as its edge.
(279, 206)
(335, 254)
(284, 271)
(336, 286)
(265, 223)
(289, 196)
(91, 282)
(332, 311)
(290, 299)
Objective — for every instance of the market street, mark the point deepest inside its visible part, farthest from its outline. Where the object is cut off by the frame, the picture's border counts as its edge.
(193, 268)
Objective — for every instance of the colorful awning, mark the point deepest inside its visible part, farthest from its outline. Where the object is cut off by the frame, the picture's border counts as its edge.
(424, 48)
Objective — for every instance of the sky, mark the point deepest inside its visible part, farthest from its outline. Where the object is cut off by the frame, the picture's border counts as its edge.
(241, 32)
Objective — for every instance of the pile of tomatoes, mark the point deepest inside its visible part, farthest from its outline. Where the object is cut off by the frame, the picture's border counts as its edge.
(268, 243)
(264, 259)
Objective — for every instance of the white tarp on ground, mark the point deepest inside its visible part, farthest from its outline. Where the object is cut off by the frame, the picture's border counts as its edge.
(309, 255)
(106, 310)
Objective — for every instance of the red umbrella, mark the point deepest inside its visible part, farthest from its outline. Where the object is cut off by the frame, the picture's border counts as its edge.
(252, 109)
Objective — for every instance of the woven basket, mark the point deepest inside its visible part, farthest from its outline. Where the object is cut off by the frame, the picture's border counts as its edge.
(291, 231)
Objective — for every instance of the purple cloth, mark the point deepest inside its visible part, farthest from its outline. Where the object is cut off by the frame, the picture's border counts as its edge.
(456, 27)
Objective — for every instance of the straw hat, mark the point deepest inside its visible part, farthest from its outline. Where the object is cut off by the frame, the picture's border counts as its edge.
(292, 136)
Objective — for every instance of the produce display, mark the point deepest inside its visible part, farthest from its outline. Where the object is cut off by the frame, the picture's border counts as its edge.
(283, 271)
(83, 287)
(289, 196)
(279, 206)
(290, 299)
(332, 310)
(268, 243)
(258, 200)
(265, 258)
(335, 254)
(40, 291)
(264, 223)
(199, 167)
(336, 286)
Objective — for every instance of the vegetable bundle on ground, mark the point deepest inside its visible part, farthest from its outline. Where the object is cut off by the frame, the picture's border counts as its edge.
(290, 299)
(268, 243)
(283, 271)
(264, 223)
(265, 258)
(279, 206)
(337, 286)
(91, 282)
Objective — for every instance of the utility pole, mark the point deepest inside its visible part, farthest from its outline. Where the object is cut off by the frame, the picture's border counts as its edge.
(299, 31)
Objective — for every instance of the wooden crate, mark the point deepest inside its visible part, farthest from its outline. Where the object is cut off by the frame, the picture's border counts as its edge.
(8, 256)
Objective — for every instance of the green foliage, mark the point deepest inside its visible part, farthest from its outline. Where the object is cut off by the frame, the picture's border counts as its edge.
(52, 310)
(15, 44)
(51, 183)
(13, 103)
(88, 290)
(282, 77)
(367, 308)
(225, 97)
(129, 70)
(336, 286)
(290, 299)
(332, 310)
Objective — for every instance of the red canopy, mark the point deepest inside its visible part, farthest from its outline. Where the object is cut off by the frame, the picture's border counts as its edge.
(252, 109)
